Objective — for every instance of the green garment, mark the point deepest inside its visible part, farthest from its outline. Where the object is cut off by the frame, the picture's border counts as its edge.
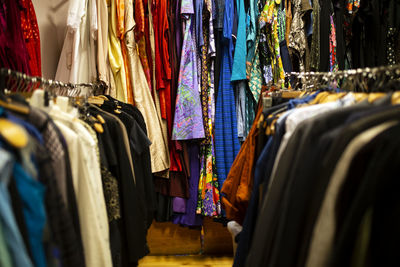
(5, 259)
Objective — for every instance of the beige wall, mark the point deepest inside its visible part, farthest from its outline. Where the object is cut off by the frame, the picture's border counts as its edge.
(52, 20)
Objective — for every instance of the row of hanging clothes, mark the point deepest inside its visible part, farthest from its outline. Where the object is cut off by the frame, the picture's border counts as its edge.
(76, 187)
(315, 182)
(195, 70)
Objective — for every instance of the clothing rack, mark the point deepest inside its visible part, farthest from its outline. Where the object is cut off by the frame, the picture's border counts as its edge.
(387, 70)
(358, 76)
(15, 81)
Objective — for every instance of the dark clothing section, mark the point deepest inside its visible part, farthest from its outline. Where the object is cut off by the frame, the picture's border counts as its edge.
(292, 185)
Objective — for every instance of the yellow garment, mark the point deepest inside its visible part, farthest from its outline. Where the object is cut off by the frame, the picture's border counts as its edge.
(375, 96)
(332, 97)
(396, 98)
(318, 98)
(115, 54)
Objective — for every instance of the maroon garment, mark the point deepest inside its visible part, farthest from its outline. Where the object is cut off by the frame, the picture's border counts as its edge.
(190, 218)
(13, 51)
(176, 186)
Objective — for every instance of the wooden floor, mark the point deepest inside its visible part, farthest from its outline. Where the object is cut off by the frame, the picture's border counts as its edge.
(186, 261)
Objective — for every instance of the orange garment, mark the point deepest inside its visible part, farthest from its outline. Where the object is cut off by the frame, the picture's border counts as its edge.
(236, 190)
(121, 30)
(141, 40)
(120, 18)
(129, 89)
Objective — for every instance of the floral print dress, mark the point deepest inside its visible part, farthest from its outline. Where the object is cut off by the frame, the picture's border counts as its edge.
(208, 202)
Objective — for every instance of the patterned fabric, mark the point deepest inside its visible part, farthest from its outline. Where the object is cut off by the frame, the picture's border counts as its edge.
(315, 41)
(111, 194)
(255, 82)
(204, 77)
(269, 18)
(265, 58)
(281, 25)
(110, 183)
(250, 114)
(297, 36)
(226, 141)
(252, 34)
(212, 54)
(188, 121)
(208, 202)
(289, 18)
(334, 66)
(353, 5)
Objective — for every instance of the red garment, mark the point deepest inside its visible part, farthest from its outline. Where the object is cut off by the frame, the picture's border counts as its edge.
(30, 31)
(163, 73)
(174, 146)
(163, 68)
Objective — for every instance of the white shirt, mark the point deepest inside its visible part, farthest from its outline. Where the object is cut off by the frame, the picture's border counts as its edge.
(88, 189)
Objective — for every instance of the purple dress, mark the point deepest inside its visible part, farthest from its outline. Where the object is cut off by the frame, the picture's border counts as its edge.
(190, 218)
(188, 120)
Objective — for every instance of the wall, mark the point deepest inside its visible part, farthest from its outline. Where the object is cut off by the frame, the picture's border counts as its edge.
(52, 20)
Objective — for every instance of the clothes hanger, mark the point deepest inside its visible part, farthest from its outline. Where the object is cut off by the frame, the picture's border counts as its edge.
(96, 100)
(84, 110)
(6, 102)
(14, 134)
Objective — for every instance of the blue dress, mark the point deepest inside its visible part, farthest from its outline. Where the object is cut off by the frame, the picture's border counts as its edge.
(239, 60)
(226, 140)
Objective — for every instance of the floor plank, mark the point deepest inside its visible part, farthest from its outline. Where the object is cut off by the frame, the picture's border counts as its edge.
(172, 239)
(185, 261)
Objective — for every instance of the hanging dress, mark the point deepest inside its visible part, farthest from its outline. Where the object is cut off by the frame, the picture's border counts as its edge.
(188, 120)
(226, 141)
(208, 203)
